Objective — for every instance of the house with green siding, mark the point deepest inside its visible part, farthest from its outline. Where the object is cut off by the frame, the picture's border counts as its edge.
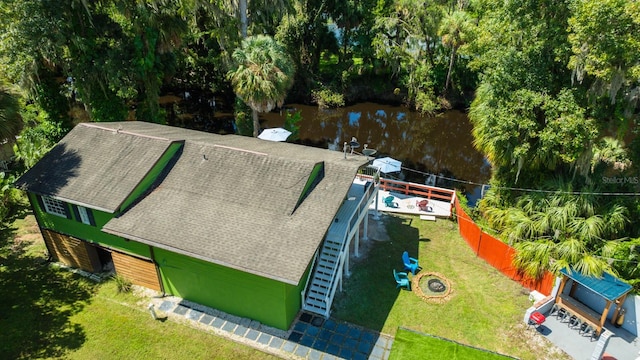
(234, 223)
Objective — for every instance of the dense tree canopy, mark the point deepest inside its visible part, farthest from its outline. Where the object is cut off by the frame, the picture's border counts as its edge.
(552, 88)
(544, 114)
(10, 119)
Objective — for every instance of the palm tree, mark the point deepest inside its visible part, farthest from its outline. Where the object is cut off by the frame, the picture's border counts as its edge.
(263, 75)
(555, 231)
(10, 119)
(454, 29)
(31, 147)
(611, 152)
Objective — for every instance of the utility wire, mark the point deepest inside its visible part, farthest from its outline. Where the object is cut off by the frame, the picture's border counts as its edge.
(484, 227)
(517, 188)
(524, 189)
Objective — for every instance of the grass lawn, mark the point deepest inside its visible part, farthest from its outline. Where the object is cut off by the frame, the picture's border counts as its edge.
(485, 309)
(50, 313)
(413, 345)
(115, 327)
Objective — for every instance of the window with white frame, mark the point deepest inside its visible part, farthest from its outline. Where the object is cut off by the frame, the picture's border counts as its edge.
(54, 206)
(84, 215)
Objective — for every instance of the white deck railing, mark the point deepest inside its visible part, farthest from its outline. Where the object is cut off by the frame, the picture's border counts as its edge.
(356, 217)
(342, 232)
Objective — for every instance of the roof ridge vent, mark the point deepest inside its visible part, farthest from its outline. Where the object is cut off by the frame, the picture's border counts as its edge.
(238, 149)
(120, 131)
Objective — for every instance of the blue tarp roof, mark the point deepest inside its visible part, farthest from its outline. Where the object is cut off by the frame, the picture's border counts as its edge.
(607, 286)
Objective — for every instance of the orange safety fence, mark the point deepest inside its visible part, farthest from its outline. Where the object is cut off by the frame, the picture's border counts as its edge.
(468, 229)
(498, 254)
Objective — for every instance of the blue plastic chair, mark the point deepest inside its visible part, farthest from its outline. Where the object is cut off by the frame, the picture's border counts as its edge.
(388, 201)
(402, 280)
(410, 263)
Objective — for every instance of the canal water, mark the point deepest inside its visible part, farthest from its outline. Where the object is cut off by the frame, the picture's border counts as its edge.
(441, 145)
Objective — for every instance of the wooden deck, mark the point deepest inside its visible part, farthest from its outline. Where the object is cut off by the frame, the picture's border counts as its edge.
(407, 205)
(406, 196)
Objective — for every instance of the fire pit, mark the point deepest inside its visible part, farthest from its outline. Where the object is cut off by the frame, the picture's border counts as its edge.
(436, 285)
(431, 287)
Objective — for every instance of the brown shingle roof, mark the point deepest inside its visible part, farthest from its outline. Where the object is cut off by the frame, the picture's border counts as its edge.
(94, 166)
(230, 200)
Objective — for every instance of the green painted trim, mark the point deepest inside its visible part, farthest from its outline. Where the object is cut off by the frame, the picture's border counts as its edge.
(74, 227)
(152, 176)
(268, 301)
(314, 178)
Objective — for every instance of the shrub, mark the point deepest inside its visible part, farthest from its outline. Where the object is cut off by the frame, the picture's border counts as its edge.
(123, 285)
(326, 98)
(291, 123)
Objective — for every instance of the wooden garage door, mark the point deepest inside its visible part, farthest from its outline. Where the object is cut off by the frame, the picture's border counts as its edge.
(71, 251)
(138, 271)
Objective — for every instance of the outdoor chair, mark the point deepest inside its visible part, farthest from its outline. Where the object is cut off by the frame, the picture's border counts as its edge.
(402, 280)
(423, 205)
(388, 201)
(586, 328)
(410, 263)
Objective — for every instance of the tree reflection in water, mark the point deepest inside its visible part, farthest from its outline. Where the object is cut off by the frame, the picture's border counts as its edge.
(440, 144)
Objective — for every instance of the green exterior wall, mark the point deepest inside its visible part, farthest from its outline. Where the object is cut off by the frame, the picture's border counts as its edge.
(271, 302)
(74, 227)
(146, 183)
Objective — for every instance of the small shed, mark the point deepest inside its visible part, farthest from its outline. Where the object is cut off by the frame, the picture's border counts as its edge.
(612, 289)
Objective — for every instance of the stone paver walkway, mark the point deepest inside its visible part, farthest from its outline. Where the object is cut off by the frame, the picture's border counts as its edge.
(310, 337)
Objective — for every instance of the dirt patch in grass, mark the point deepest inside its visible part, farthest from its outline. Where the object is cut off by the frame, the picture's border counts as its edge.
(537, 343)
(27, 230)
(28, 236)
(377, 228)
(376, 232)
